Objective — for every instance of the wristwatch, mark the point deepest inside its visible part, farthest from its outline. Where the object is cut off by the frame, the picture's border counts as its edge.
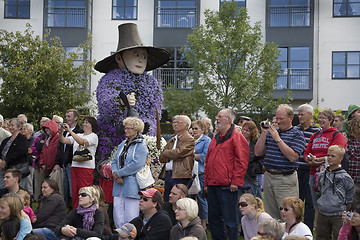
(279, 140)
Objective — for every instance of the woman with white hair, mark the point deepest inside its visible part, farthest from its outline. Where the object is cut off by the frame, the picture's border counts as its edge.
(130, 157)
(189, 224)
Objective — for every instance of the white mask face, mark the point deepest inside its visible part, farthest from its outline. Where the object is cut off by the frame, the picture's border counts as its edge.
(135, 60)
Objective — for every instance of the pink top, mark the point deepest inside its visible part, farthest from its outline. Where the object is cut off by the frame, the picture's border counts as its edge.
(29, 212)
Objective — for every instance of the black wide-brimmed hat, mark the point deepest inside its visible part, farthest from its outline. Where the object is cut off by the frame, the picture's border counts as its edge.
(129, 38)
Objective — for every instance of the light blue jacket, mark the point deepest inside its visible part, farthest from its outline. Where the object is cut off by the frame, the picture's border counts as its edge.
(25, 229)
(201, 148)
(135, 160)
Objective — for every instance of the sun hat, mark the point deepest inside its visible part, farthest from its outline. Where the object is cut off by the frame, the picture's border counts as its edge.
(129, 38)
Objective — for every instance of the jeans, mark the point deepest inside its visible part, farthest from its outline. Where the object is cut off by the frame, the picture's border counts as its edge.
(170, 182)
(46, 232)
(314, 195)
(223, 211)
(67, 183)
(305, 195)
(202, 202)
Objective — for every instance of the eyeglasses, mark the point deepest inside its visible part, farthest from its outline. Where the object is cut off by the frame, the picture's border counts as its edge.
(243, 204)
(145, 199)
(128, 128)
(179, 187)
(285, 209)
(83, 194)
(195, 128)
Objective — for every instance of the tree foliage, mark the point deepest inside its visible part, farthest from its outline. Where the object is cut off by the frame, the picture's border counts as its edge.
(235, 68)
(39, 78)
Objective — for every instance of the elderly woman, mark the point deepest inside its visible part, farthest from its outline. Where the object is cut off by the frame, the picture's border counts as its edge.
(14, 149)
(81, 171)
(255, 167)
(85, 221)
(252, 209)
(316, 151)
(11, 207)
(27, 183)
(201, 147)
(130, 157)
(52, 210)
(186, 213)
(292, 213)
(271, 229)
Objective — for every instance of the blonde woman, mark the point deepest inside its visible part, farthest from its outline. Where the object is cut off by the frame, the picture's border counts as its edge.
(252, 209)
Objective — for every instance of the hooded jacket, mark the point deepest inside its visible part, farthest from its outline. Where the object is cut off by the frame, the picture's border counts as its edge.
(352, 108)
(193, 229)
(49, 150)
(337, 190)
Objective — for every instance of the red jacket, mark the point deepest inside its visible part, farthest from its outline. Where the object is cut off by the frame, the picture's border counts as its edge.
(318, 145)
(49, 151)
(227, 160)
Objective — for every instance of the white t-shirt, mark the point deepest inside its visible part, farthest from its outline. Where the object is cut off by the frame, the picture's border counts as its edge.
(302, 230)
(93, 140)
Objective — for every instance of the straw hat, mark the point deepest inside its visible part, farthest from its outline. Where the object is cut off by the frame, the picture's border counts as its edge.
(128, 39)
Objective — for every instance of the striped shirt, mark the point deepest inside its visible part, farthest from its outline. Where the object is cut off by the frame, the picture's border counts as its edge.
(307, 134)
(354, 160)
(274, 159)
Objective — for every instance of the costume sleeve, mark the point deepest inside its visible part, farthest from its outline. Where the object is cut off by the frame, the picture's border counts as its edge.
(185, 147)
(25, 229)
(97, 229)
(135, 160)
(241, 160)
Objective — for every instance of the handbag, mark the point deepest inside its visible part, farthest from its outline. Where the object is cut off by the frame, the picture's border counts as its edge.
(144, 176)
(195, 182)
(82, 154)
(23, 167)
(103, 167)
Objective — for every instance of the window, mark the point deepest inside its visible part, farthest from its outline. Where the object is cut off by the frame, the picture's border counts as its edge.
(289, 13)
(295, 68)
(124, 9)
(176, 13)
(176, 72)
(346, 65)
(66, 13)
(344, 8)
(239, 3)
(17, 9)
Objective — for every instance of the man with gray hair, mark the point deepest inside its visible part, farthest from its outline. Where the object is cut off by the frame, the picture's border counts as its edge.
(3, 133)
(281, 147)
(305, 114)
(178, 155)
(225, 168)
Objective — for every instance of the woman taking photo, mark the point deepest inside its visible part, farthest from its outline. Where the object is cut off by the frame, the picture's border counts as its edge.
(85, 221)
(186, 213)
(201, 147)
(292, 213)
(81, 171)
(52, 210)
(10, 207)
(130, 157)
(252, 209)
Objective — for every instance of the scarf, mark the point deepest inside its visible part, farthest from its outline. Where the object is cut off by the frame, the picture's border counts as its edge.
(88, 216)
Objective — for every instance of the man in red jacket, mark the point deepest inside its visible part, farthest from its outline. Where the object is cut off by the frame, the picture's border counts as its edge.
(225, 167)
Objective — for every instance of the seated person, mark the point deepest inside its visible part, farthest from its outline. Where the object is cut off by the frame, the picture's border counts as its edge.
(177, 192)
(12, 178)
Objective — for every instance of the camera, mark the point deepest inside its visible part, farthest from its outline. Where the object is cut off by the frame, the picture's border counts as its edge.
(62, 125)
(265, 124)
(349, 215)
(309, 156)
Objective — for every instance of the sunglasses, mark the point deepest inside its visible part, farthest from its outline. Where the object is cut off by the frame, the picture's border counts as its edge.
(243, 204)
(83, 194)
(285, 209)
(195, 128)
(145, 199)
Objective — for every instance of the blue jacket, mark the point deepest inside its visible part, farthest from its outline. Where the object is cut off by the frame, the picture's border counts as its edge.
(136, 158)
(201, 148)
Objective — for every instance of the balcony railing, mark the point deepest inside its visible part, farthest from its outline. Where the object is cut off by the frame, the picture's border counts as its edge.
(294, 79)
(176, 17)
(179, 78)
(66, 17)
(290, 16)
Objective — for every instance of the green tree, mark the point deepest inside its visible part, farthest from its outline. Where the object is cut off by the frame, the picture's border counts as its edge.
(39, 78)
(235, 68)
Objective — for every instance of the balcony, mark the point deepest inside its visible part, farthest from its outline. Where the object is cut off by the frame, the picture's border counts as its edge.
(66, 17)
(175, 17)
(290, 16)
(179, 78)
(294, 79)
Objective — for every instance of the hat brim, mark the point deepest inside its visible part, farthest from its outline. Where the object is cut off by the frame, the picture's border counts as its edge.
(156, 58)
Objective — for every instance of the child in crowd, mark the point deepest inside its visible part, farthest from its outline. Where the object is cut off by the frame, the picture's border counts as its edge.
(25, 199)
(337, 190)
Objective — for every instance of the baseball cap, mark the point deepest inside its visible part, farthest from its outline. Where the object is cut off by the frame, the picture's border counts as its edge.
(152, 193)
(127, 230)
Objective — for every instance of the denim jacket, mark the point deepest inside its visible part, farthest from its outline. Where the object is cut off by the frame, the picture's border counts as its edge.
(135, 160)
(201, 148)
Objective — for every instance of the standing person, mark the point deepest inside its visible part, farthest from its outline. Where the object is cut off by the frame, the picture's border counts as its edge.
(178, 155)
(130, 157)
(316, 150)
(336, 192)
(225, 167)
(209, 128)
(305, 114)
(82, 172)
(353, 146)
(27, 182)
(49, 150)
(202, 143)
(3, 133)
(281, 147)
(253, 212)
(243, 120)
(353, 112)
(338, 122)
(179, 191)
(65, 152)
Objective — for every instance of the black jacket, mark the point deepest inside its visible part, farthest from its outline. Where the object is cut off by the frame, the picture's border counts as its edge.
(17, 152)
(157, 228)
(63, 158)
(166, 206)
